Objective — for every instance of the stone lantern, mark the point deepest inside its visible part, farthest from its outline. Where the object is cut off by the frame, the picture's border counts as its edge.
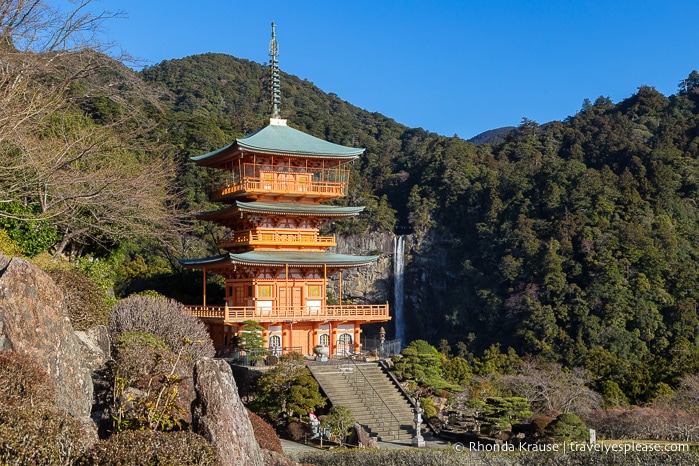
(418, 440)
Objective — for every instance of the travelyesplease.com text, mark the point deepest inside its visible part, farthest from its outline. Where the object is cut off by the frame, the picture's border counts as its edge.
(564, 448)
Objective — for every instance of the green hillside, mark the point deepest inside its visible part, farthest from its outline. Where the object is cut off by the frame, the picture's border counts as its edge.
(574, 240)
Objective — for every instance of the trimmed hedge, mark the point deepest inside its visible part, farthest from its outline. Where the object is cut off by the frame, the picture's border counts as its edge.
(40, 436)
(23, 382)
(150, 448)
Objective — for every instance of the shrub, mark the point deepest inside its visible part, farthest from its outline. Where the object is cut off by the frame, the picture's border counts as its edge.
(164, 318)
(458, 370)
(141, 356)
(340, 421)
(265, 434)
(435, 457)
(430, 410)
(23, 382)
(32, 429)
(298, 431)
(137, 448)
(502, 412)
(422, 362)
(568, 427)
(8, 246)
(147, 385)
(40, 435)
(539, 424)
(287, 393)
(85, 300)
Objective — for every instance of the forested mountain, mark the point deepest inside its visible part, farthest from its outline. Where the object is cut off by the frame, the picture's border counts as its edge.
(574, 240)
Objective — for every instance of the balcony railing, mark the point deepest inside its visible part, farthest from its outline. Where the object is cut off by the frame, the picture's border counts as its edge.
(277, 240)
(237, 314)
(259, 179)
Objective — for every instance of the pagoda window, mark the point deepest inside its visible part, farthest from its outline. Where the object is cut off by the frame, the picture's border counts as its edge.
(344, 344)
(345, 339)
(314, 291)
(264, 291)
(275, 343)
(267, 179)
(323, 339)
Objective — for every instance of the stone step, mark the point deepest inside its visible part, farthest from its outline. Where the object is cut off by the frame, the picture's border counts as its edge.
(368, 392)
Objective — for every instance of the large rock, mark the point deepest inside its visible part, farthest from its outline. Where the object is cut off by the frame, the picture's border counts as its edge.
(94, 345)
(33, 321)
(220, 417)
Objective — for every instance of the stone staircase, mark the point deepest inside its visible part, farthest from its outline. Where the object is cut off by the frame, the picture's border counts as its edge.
(371, 395)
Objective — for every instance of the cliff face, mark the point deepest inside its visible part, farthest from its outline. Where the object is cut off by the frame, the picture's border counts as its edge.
(425, 279)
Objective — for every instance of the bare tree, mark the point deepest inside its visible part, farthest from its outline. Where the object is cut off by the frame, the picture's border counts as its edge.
(91, 181)
(551, 389)
(40, 26)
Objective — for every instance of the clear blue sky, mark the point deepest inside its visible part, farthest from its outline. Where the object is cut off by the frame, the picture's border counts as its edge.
(452, 67)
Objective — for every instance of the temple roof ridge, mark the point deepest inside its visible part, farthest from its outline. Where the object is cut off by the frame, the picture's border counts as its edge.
(294, 208)
(288, 258)
(285, 140)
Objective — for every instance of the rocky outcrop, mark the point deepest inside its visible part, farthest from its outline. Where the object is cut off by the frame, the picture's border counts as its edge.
(361, 437)
(426, 277)
(95, 346)
(33, 321)
(219, 416)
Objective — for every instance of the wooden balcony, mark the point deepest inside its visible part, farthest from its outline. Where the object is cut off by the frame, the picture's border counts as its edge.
(260, 188)
(257, 180)
(334, 312)
(294, 239)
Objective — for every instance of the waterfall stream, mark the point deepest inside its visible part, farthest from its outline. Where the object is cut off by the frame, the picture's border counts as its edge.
(398, 256)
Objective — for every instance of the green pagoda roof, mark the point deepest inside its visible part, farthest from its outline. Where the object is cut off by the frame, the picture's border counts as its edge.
(278, 138)
(292, 208)
(290, 258)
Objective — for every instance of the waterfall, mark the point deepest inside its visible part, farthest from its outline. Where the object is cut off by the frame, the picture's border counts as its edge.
(398, 256)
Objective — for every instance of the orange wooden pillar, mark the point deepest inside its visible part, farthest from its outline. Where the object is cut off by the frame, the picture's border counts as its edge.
(204, 285)
(357, 337)
(331, 339)
(286, 336)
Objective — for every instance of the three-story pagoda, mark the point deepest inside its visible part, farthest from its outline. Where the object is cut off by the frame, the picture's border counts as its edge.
(276, 265)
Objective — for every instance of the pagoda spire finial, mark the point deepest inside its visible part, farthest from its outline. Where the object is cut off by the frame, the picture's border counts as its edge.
(274, 65)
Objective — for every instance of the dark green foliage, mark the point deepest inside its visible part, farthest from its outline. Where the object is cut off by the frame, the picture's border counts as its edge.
(287, 393)
(501, 412)
(457, 370)
(421, 362)
(149, 448)
(32, 236)
(86, 302)
(340, 421)
(568, 427)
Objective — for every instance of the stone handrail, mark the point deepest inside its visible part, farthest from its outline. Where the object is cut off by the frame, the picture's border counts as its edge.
(394, 423)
